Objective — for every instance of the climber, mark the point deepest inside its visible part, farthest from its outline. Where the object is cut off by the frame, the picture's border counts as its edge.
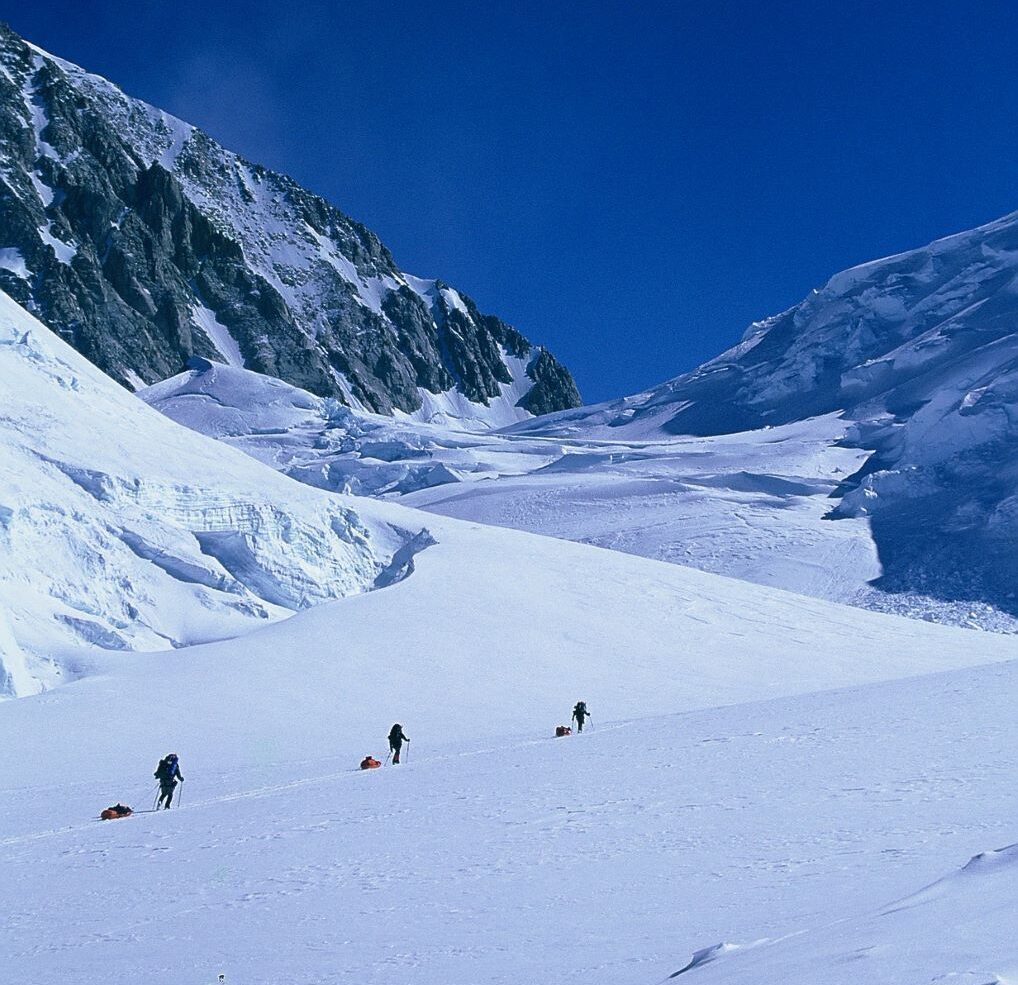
(396, 740)
(580, 713)
(167, 773)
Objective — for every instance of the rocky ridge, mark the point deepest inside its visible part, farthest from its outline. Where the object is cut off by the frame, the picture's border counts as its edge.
(143, 242)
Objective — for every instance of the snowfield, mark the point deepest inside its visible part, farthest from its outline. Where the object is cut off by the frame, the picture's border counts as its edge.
(761, 764)
(917, 353)
(505, 857)
(751, 506)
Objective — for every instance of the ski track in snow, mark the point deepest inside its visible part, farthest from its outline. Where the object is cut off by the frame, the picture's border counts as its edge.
(495, 863)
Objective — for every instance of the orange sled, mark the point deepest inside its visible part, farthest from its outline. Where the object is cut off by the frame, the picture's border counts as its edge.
(370, 763)
(115, 812)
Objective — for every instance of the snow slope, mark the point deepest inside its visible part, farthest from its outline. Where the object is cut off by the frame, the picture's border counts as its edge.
(876, 424)
(496, 854)
(750, 506)
(883, 336)
(492, 854)
(123, 531)
(941, 782)
(973, 907)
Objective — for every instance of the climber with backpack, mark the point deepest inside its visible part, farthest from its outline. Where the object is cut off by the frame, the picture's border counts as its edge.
(167, 773)
(580, 713)
(396, 740)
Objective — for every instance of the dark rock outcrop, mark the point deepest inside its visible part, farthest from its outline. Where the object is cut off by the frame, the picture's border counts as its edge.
(143, 243)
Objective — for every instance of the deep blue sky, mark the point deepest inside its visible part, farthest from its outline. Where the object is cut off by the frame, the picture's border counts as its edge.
(630, 184)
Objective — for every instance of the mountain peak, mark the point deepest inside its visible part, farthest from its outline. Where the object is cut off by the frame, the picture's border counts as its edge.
(143, 242)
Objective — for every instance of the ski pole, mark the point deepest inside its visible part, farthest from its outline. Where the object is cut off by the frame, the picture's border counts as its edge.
(180, 796)
(386, 763)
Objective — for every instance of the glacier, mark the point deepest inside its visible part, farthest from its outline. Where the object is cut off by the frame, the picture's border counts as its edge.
(266, 555)
(762, 765)
(120, 532)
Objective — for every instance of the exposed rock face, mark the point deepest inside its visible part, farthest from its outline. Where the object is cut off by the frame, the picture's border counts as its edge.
(553, 386)
(143, 242)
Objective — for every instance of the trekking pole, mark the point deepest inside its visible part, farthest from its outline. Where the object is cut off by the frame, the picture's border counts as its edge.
(386, 763)
(180, 796)
(408, 750)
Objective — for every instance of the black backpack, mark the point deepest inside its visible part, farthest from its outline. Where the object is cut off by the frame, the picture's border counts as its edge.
(580, 709)
(163, 773)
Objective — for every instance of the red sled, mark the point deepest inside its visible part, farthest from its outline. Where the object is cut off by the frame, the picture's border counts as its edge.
(115, 812)
(370, 763)
(561, 730)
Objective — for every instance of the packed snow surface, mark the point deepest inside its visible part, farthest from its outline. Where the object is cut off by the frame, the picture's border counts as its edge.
(496, 854)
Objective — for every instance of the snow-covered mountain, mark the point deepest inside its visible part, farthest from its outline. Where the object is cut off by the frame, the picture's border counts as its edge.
(898, 380)
(158, 558)
(126, 531)
(142, 242)
(917, 355)
(123, 531)
(877, 341)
